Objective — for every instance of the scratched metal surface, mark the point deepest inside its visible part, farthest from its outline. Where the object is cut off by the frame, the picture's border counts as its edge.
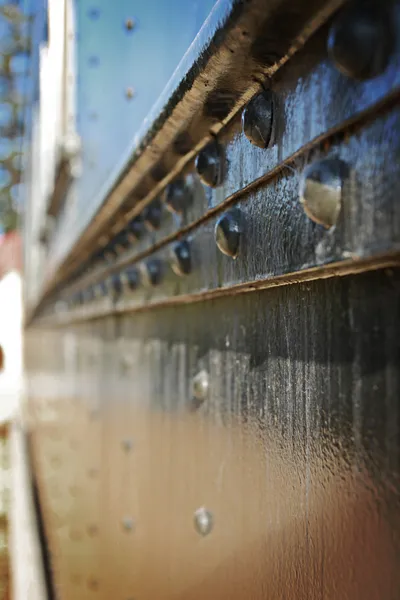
(294, 450)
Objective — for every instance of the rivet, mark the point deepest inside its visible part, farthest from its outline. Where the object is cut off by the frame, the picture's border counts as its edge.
(122, 242)
(127, 445)
(101, 289)
(132, 277)
(178, 196)
(128, 523)
(200, 388)
(210, 164)
(92, 530)
(153, 215)
(136, 228)
(181, 261)
(203, 521)
(93, 584)
(228, 232)
(360, 40)
(321, 190)
(154, 271)
(129, 93)
(116, 285)
(110, 253)
(129, 24)
(258, 119)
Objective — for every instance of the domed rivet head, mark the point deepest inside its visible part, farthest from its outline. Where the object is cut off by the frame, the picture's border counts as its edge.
(136, 229)
(154, 271)
(178, 196)
(203, 521)
(128, 523)
(110, 253)
(210, 164)
(116, 285)
(127, 445)
(122, 242)
(321, 190)
(360, 40)
(181, 261)
(258, 119)
(228, 231)
(132, 278)
(101, 289)
(200, 388)
(153, 215)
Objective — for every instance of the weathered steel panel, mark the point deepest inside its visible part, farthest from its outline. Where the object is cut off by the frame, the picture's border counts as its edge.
(294, 448)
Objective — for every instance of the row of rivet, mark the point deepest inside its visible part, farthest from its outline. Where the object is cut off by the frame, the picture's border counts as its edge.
(359, 43)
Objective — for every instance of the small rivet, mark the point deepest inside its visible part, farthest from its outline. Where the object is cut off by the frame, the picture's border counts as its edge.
(129, 24)
(228, 232)
(178, 196)
(154, 271)
(181, 261)
(361, 40)
(101, 289)
(258, 119)
(116, 285)
(128, 523)
(109, 253)
(203, 521)
(132, 277)
(130, 92)
(127, 445)
(122, 242)
(93, 584)
(321, 190)
(210, 164)
(136, 228)
(200, 388)
(153, 215)
(92, 530)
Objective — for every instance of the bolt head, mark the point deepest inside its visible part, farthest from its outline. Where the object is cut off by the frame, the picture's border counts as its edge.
(136, 228)
(101, 289)
(181, 261)
(122, 242)
(128, 523)
(210, 164)
(228, 231)
(258, 119)
(116, 285)
(132, 278)
(127, 445)
(203, 521)
(360, 40)
(178, 196)
(321, 190)
(153, 215)
(200, 386)
(154, 271)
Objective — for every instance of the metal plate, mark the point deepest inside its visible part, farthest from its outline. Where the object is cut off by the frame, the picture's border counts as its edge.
(294, 450)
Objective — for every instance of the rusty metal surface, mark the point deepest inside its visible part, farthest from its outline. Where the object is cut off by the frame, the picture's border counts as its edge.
(293, 448)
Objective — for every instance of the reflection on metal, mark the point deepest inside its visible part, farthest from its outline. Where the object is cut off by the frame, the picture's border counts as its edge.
(203, 521)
